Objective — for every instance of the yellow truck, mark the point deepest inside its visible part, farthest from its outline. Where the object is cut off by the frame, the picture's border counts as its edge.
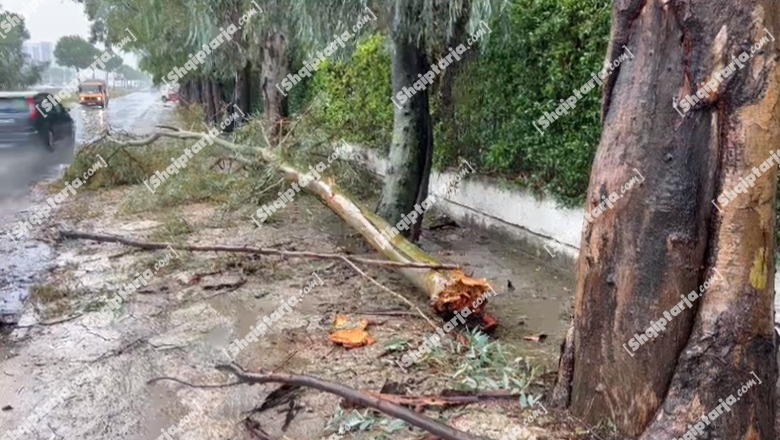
(93, 92)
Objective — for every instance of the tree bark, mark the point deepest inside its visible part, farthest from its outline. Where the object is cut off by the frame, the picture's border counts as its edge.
(664, 238)
(197, 96)
(412, 143)
(447, 102)
(274, 70)
(190, 91)
(447, 106)
(185, 91)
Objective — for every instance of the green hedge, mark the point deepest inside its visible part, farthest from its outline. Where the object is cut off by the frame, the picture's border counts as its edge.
(356, 95)
(551, 48)
(546, 49)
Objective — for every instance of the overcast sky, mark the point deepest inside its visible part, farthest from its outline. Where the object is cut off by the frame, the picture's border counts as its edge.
(53, 19)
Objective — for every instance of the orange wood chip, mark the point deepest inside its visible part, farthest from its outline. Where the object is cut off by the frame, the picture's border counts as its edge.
(350, 335)
(353, 338)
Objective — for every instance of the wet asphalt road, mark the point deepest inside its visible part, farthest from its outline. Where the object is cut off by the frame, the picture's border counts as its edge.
(21, 168)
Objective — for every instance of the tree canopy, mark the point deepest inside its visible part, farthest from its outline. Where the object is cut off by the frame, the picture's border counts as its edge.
(17, 70)
(74, 51)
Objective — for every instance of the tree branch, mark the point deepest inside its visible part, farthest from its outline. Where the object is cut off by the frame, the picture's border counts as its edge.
(246, 250)
(176, 133)
(354, 396)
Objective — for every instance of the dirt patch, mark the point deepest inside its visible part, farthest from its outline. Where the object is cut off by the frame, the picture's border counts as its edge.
(181, 322)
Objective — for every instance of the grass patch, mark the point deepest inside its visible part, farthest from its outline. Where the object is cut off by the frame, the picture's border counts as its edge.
(53, 300)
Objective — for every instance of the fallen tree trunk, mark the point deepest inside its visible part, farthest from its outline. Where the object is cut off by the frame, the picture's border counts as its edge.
(449, 291)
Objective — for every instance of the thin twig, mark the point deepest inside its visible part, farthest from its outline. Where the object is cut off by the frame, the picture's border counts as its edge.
(269, 188)
(265, 136)
(580, 422)
(54, 322)
(248, 250)
(184, 382)
(395, 294)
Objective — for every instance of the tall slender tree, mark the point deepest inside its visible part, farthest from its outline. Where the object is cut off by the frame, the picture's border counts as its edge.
(417, 33)
(412, 143)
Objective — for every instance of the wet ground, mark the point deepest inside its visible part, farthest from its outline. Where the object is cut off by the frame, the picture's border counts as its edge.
(180, 325)
(20, 168)
(182, 322)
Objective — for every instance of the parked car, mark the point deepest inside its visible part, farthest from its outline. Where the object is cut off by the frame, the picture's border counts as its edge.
(170, 94)
(93, 92)
(22, 125)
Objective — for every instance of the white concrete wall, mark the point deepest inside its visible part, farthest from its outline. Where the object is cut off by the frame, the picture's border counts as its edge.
(494, 205)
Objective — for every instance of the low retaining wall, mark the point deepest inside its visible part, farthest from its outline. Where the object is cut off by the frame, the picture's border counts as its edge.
(540, 227)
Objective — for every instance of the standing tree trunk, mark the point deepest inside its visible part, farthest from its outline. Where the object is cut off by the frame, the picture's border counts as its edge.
(208, 100)
(243, 92)
(412, 144)
(274, 70)
(446, 107)
(197, 94)
(664, 238)
(446, 111)
(184, 90)
(216, 95)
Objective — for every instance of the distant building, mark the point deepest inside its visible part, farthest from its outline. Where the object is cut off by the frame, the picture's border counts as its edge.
(42, 52)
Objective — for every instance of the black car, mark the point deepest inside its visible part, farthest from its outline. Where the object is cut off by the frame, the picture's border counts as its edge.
(22, 124)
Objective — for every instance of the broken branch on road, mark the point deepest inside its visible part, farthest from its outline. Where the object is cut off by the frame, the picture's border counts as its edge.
(351, 395)
(247, 250)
